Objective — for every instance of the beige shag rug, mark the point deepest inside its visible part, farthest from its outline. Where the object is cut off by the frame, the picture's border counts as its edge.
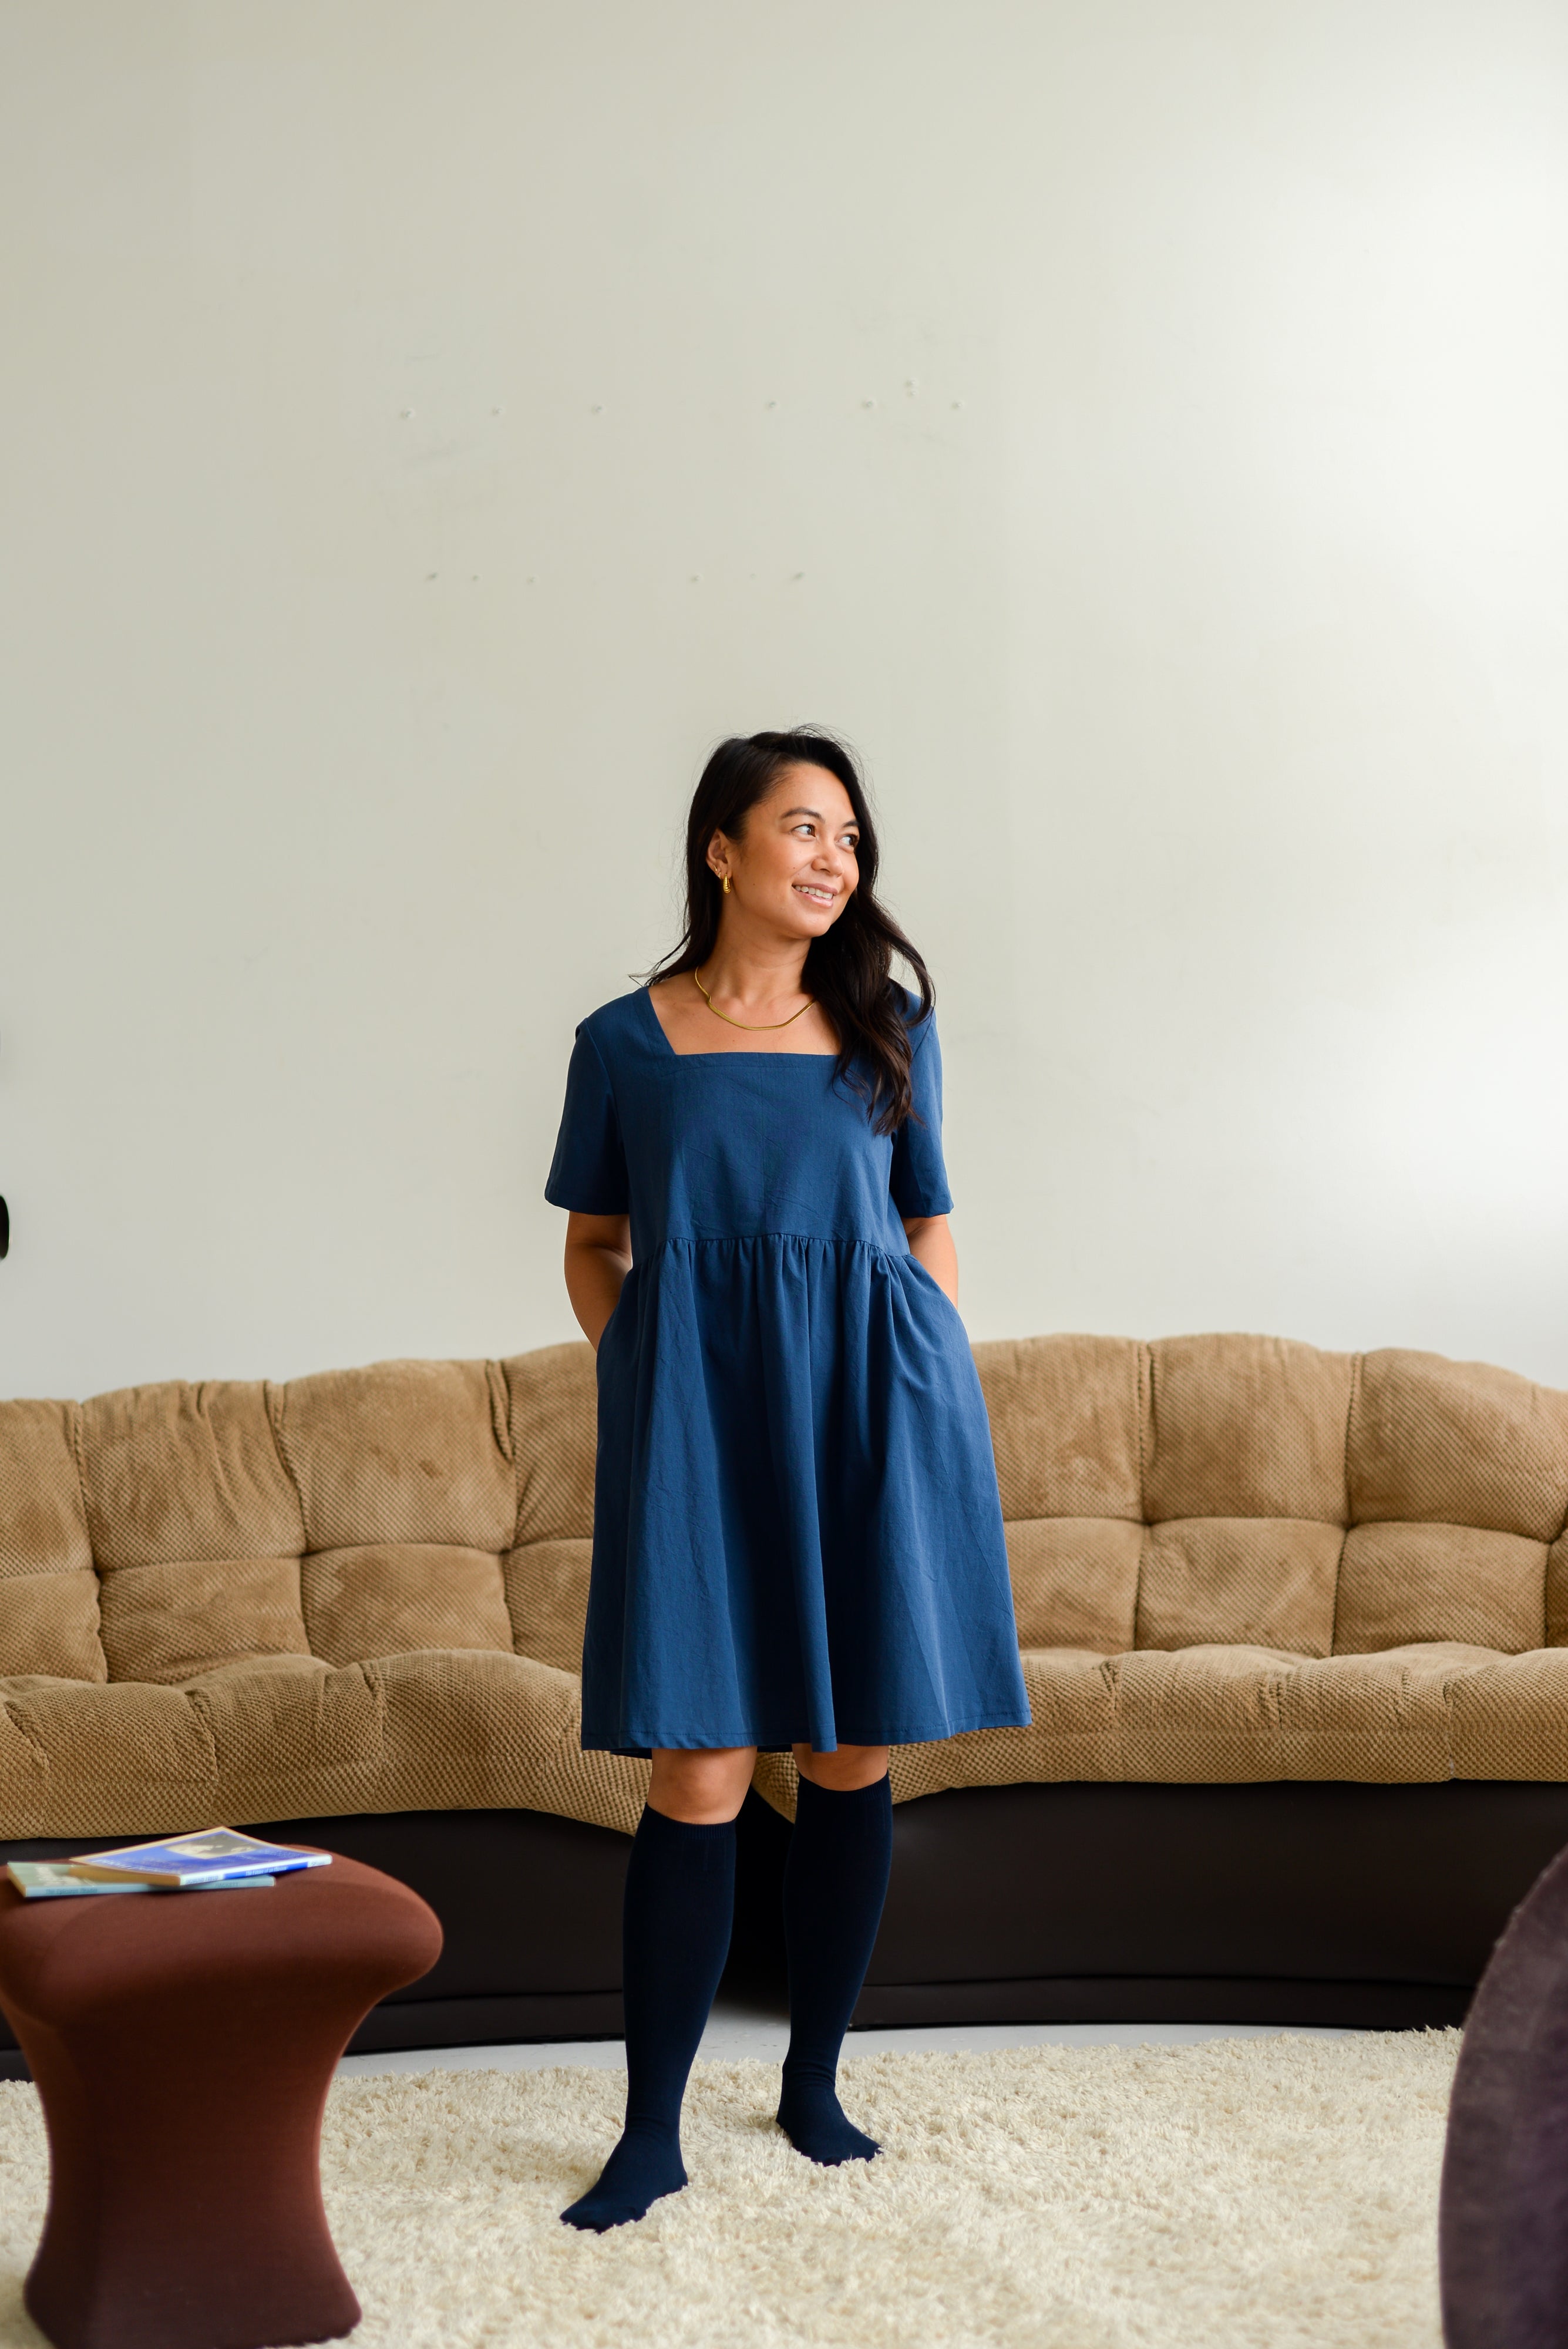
(1239, 2194)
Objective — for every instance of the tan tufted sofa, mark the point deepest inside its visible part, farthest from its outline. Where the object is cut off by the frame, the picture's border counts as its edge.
(349, 1593)
(1236, 1560)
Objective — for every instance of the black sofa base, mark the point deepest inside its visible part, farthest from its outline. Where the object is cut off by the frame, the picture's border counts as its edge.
(1151, 1998)
(1286, 1901)
(490, 2021)
(1365, 1907)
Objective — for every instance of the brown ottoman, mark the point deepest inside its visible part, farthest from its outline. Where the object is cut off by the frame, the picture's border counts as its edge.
(183, 2044)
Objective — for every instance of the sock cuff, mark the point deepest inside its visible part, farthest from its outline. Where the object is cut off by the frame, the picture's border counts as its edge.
(657, 1827)
(844, 1799)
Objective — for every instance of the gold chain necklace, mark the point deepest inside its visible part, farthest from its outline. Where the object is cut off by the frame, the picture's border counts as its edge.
(751, 1027)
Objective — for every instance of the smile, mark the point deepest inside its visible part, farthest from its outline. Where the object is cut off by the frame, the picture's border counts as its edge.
(818, 896)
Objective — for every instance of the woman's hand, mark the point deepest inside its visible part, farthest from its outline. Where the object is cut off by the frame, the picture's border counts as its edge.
(930, 1240)
(599, 1258)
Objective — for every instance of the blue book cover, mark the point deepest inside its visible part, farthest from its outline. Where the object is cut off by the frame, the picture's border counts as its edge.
(177, 1862)
(51, 1879)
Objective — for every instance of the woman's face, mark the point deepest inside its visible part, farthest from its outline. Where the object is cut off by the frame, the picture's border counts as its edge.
(794, 864)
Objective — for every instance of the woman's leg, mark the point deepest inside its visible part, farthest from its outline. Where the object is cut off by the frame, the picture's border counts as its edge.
(835, 1880)
(675, 1935)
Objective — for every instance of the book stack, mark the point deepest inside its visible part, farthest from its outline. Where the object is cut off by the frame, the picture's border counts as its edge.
(216, 1859)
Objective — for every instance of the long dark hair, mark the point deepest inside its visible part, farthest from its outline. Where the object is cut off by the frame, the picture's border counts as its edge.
(849, 970)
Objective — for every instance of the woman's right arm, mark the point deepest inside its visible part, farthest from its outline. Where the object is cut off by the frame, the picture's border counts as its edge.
(599, 1258)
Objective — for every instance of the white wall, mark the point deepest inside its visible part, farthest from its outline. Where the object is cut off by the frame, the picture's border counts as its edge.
(428, 424)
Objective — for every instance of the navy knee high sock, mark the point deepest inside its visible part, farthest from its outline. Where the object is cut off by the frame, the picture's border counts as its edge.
(835, 1880)
(675, 1935)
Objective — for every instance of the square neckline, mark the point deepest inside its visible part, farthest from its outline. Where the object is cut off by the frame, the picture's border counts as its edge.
(743, 1053)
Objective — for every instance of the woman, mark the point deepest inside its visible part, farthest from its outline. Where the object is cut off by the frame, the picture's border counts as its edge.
(797, 1537)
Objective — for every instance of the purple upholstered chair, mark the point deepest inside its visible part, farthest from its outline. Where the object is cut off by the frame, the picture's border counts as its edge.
(1503, 2224)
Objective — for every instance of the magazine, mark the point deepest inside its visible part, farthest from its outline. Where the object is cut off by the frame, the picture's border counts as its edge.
(51, 1879)
(177, 1862)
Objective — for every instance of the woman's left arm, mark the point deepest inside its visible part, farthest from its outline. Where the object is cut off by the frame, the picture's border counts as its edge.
(930, 1240)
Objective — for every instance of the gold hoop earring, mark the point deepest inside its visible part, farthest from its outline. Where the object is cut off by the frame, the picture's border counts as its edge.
(726, 878)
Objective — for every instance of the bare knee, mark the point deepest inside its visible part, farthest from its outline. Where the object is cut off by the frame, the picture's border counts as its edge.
(701, 1787)
(851, 1767)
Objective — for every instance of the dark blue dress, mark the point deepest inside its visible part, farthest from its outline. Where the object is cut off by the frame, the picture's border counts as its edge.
(796, 1527)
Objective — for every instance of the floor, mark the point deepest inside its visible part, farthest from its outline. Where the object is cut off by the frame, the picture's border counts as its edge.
(740, 2027)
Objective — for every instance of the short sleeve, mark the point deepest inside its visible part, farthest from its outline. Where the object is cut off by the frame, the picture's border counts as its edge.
(919, 1180)
(587, 1173)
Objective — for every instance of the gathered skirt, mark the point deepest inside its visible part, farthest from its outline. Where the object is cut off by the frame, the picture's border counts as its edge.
(797, 1534)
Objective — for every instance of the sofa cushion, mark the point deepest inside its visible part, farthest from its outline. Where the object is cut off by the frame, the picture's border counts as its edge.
(126, 1752)
(185, 1472)
(1241, 1713)
(1511, 1717)
(1074, 1581)
(1065, 1424)
(43, 1518)
(547, 1600)
(1246, 1427)
(1557, 1593)
(49, 1623)
(294, 1720)
(1433, 1441)
(290, 1737)
(1237, 1714)
(1399, 1583)
(553, 1400)
(1267, 1582)
(387, 1599)
(49, 1590)
(472, 1731)
(169, 1623)
(403, 1451)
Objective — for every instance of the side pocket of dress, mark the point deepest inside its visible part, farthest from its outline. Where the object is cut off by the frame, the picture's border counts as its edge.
(612, 1335)
(937, 1290)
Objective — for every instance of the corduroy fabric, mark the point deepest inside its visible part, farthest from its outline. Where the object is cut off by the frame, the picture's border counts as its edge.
(386, 1599)
(1076, 1582)
(1510, 1717)
(184, 1472)
(1236, 1714)
(1246, 1427)
(547, 1600)
(366, 1590)
(1557, 1593)
(1067, 1419)
(49, 1623)
(404, 1451)
(1265, 1582)
(43, 1516)
(290, 1737)
(552, 1399)
(170, 1622)
(1404, 1582)
(1442, 1443)
(48, 1589)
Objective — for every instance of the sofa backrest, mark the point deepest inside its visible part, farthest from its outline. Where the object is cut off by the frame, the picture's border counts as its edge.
(1228, 1489)
(161, 1531)
(1252, 1490)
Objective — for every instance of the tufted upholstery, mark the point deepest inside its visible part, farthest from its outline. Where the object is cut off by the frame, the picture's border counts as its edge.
(362, 1591)
(1238, 1557)
(1233, 1558)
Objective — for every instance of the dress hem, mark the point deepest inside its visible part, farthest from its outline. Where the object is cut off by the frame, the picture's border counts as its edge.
(922, 1737)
